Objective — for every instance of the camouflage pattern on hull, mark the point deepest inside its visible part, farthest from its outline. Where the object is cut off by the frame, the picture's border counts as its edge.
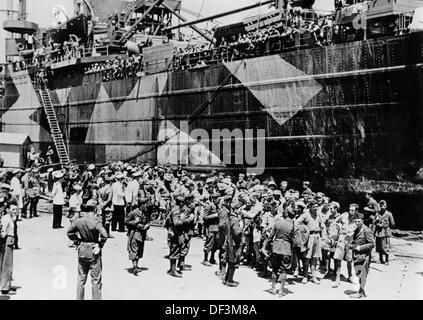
(347, 111)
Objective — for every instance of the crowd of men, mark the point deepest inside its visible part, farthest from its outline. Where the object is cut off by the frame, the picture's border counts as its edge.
(275, 229)
(293, 31)
(119, 68)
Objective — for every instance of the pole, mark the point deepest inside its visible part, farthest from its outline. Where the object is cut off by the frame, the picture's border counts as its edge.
(205, 36)
(130, 31)
(186, 24)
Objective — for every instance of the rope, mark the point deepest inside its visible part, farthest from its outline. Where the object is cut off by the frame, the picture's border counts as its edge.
(192, 117)
(198, 16)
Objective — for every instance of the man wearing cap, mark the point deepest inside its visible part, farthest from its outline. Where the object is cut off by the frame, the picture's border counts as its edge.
(7, 243)
(90, 237)
(369, 210)
(384, 221)
(75, 203)
(188, 219)
(131, 191)
(346, 228)
(174, 226)
(137, 223)
(328, 243)
(33, 192)
(105, 204)
(361, 245)
(211, 223)
(314, 223)
(118, 201)
(232, 245)
(282, 235)
(25, 197)
(306, 187)
(241, 183)
(58, 197)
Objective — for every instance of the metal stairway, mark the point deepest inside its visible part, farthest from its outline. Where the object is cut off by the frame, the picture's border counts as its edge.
(54, 127)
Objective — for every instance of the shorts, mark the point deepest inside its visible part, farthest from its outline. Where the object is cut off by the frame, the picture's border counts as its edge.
(281, 263)
(314, 250)
(135, 249)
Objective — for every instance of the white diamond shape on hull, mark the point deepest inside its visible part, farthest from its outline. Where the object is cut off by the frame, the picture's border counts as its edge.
(179, 142)
(274, 82)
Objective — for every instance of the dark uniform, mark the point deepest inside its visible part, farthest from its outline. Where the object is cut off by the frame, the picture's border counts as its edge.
(105, 197)
(282, 235)
(175, 239)
(232, 247)
(137, 224)
(88, 232)
(223, 214)
(383, 222)
(211, 223)
(188, 226)
(362, 245)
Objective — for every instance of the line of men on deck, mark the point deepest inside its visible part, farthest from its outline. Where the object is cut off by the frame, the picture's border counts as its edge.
(272, 229)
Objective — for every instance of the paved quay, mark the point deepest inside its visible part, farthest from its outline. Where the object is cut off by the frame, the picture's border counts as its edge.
(46, 268)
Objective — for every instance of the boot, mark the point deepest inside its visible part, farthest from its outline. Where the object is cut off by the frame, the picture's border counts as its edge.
(229, 278)
(205, 261)
(381, 258)
(172, 272)
(313, 275)
(212, 259)
(387, 259)
(183, 266)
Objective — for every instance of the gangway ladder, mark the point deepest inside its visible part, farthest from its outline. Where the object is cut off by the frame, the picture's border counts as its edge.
(54, 127)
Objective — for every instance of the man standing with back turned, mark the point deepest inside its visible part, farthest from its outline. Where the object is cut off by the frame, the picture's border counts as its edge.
(90, 236)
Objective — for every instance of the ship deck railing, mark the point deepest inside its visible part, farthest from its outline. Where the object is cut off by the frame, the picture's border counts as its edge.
(271, 45)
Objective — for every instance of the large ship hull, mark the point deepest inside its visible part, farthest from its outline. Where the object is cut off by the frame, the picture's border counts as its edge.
(348, 116)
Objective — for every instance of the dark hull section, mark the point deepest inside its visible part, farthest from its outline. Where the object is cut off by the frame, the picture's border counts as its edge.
(349, 116)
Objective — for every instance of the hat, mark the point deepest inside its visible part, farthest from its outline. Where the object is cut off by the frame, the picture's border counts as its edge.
(209, 181)
(16, 171)
(58, 175)
(284, 183)
(77, 187)
(203, 175)
(335, 204)
(277, 193)
(119, 176)
(50, 170)
(320, 195)
(306, 183)
(167, 177)
(227, 181)
(5, 186)
(136, 174)
(91, 167)
(272, 183)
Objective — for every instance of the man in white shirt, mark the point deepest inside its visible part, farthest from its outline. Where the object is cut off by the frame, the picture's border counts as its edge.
(118, 201)
(131, 192)
(58, 200)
